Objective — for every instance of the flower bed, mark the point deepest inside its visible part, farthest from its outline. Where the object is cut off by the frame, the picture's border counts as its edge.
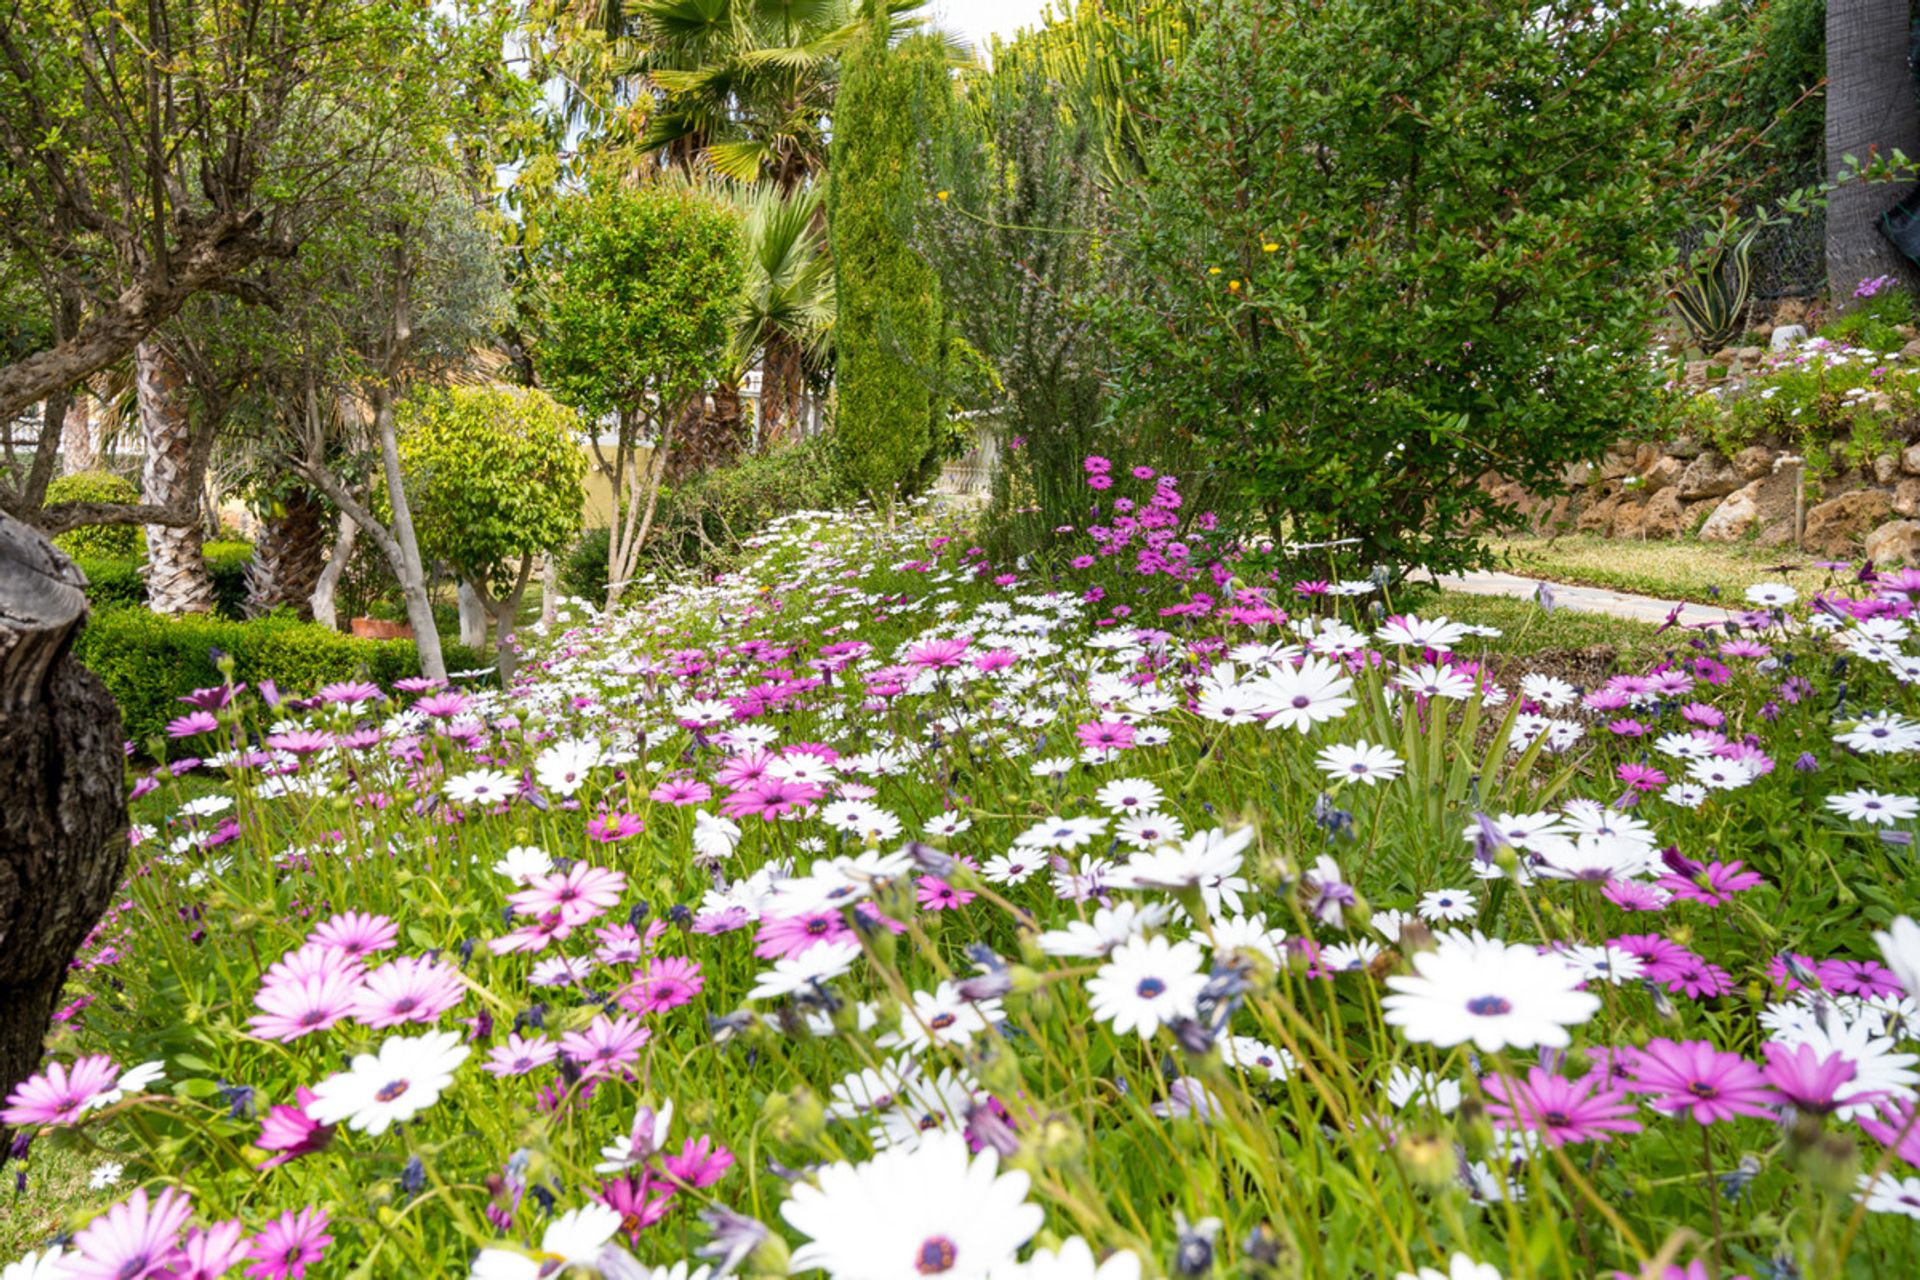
(882, 911)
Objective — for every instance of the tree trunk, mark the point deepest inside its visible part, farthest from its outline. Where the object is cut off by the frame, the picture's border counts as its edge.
(328, 584)
(473, 618)
(77, 452)
(288, 556)
(710, 433)
(177, 578)
(550, 589)
(781, 380)
(1871, 110)
(63, 802)
(410, 569)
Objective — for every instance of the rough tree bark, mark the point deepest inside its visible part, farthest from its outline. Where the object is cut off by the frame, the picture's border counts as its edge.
(1871, 111)
(288, 557)
(63, 802)
(77, 453)
(177, 577)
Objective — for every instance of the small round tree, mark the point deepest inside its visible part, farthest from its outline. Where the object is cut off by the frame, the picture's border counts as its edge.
(643, 287)
(494, 476)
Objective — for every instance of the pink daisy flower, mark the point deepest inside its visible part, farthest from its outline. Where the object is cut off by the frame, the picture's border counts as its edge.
(1714, 884)
(579, 893)
(1809, 1081)
(935, 655)
(639, 1200)
(60, 1095)
(209, 1253)
(681, 791)
(785, 936)
(519, 1055)
(289, 1132)
(668, 983)
(743, 769)
(533, 937)
(771, 798)
(289, 1244)
(701, 1162)
(356, 933)
(936, 894)
(290, 1010)
(606, 1045)
(134, 1239)
(1695, 1078)
(1561, 1110)
(409, 989)
(609, 827)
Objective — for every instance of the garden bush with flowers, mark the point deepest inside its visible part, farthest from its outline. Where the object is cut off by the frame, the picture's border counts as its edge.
(881, 910)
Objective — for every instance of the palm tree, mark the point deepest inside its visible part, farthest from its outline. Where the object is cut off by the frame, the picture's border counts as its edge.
(787, 305)
(1871, 111)
(746, 86)
(177, 577)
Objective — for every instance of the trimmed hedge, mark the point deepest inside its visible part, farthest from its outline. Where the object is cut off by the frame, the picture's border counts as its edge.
(115, 582)
(113, 540)
(149, 662)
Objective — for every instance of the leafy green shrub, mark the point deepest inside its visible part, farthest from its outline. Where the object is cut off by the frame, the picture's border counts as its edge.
(585, 572)
(1833, 404)
(1871, 322)
(1388, 246)
(149, 662)
(702, 523)
(98, 539)
(116, 582)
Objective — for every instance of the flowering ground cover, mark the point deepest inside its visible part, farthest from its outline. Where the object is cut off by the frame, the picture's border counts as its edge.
(879, 911)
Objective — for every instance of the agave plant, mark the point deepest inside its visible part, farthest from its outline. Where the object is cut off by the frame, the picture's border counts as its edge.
(1712, 291)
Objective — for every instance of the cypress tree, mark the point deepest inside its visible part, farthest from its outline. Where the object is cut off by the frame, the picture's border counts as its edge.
(887, 336)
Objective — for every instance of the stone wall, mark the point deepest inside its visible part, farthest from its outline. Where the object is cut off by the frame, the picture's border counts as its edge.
(1684, 488)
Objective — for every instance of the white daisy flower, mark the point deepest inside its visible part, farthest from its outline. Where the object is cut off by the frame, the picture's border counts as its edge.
(928, 1210)
(1146, 983)
(399, 1080)
(1495, 995)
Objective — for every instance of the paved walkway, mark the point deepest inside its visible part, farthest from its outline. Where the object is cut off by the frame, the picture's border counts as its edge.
(1587, 599)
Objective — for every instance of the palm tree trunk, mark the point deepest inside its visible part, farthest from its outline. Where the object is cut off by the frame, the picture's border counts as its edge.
(177, 578)
(781, 380)
(77, 453)
(1871, 110)
(288, 557)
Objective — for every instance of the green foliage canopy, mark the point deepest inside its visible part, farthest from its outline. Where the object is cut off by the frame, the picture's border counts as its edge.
(494, 475)
(1391, 246)
(643, 287)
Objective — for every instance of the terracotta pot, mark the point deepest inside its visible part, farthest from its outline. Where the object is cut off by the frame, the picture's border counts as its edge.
(380, 629)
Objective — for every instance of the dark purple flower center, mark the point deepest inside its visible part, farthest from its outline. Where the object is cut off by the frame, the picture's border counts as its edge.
(1301, 701)
(941, 1021)
(391, 1090)
(937, 1255)
(1151, 988)
(1489, 1006)
(133, 1267)
(1703, 1089)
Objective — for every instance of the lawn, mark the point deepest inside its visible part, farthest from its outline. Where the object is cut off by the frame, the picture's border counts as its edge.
(1707, 573)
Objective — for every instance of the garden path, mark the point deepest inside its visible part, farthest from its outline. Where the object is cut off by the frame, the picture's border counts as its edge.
(1618, 604)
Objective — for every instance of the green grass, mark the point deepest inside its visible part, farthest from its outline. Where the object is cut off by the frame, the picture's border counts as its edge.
(1530, 629)
(1665, 570)
(56, 1195)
